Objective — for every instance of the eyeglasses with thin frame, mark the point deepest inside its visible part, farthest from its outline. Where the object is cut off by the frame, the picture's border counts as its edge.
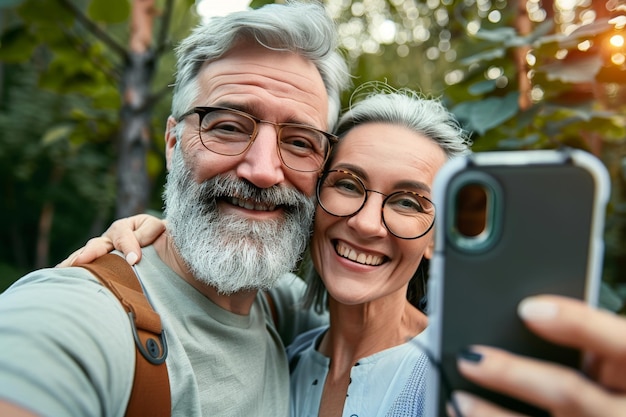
(231, 132)
(405, 214)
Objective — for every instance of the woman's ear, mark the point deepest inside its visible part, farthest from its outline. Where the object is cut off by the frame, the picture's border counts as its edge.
(430, 249)
(170, 140)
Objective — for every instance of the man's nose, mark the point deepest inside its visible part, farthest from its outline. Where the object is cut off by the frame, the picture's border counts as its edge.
(261, 164)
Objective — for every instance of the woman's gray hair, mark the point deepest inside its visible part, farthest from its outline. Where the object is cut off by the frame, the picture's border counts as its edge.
(303, 28)
(378, 102)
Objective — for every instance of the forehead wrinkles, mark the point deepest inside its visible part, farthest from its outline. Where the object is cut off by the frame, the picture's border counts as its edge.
(386, 151)
(298, 91)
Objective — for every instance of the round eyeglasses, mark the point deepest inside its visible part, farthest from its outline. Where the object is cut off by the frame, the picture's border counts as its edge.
(406, 214)
(231, 132)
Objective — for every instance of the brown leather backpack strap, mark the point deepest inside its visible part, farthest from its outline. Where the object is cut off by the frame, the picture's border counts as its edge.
(150, 394)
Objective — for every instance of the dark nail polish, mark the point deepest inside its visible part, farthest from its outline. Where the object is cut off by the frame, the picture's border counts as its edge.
(469, 355)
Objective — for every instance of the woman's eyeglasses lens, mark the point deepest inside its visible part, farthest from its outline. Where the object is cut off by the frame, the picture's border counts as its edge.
(230, 132)
(406, 214)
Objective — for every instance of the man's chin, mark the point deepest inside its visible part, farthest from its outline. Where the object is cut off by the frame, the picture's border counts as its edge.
(229, 286)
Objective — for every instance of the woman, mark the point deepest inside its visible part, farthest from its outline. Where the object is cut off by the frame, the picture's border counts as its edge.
(368, 361)
(373, 229)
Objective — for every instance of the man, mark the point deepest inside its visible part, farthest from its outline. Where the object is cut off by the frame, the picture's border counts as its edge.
(255, 94)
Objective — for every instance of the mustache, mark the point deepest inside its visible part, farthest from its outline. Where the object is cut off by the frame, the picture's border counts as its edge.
(223, 187)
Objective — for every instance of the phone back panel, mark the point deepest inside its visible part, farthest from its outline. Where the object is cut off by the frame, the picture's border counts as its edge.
(541, 220)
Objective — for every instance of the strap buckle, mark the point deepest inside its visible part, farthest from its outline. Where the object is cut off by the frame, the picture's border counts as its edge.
(154, 351)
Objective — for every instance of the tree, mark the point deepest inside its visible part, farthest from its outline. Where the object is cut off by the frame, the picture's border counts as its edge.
(518, 74)
(137, 67)
(100, 96)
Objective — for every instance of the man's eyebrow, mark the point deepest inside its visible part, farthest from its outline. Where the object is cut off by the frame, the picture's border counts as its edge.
(235, 106)
(255, 110)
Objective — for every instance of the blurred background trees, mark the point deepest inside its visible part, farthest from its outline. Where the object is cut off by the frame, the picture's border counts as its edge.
(85, 95)
(84, 83)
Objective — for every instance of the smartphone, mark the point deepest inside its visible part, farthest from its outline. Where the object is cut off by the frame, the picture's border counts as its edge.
(510, 224)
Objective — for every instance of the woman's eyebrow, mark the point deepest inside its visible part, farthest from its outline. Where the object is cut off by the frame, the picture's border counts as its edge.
(419, 185)
(356, 170)
(401, 185)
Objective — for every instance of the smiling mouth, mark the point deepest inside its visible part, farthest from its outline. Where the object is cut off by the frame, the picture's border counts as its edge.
(358, 257)
(250, 205)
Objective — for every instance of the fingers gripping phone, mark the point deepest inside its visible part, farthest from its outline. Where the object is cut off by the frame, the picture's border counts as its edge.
(510, 225)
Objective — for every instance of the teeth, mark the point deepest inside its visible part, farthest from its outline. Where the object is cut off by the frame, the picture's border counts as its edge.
(250, 206)
(361, 258)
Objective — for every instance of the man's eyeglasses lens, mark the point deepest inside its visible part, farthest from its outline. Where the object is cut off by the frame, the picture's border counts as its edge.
(230, 132)
(406, 214)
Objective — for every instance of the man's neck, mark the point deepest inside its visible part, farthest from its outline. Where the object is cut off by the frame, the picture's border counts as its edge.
(237, 303)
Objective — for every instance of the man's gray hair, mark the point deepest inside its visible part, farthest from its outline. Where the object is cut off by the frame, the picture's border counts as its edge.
(303, 28)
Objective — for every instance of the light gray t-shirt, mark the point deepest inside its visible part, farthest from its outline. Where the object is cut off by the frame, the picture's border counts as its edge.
(66, 347)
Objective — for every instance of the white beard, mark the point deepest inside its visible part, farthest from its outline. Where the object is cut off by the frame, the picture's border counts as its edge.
(229, 252)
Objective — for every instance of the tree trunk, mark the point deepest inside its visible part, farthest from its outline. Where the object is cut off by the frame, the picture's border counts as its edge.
(45, 221)
(523, 27)
(43, 237)
(133, 184)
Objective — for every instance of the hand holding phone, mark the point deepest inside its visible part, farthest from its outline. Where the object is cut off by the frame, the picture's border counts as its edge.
(510, 225)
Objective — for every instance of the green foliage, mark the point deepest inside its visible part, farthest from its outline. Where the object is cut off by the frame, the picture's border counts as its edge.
(60, 115)
(9, 3)
(17, 44)
(579, 106)
(39, 166)
(109, 11)
(481, 116)
(255, 4)
(9, 274)
(578, 95)
(59, 112)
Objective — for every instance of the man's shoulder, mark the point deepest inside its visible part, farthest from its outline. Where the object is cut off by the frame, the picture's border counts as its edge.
(71, 292)
(71, 278)
(63, 321)
(72, 298)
